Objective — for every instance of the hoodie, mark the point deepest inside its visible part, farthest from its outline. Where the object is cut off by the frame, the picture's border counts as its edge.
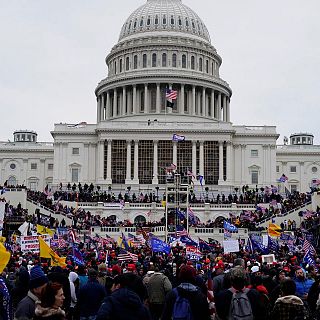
(72, 278)
(121, 303)
(288, 307)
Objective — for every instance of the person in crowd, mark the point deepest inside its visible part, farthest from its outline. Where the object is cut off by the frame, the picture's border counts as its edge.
(26, 307)
(83, 278)
(74, 284)
(187, 290)
(102, 274)
(49, 307)
(158, 286)
(5, 301)
(21, 287)
(288, 306)
(218, 277)
(303, 284)
(90, 297)
(238, 279)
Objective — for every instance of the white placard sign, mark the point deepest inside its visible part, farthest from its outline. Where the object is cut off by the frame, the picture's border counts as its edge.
(268, 258)
(231, 246)
(31, 243)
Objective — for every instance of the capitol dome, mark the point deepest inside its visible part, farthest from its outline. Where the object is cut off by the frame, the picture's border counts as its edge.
(170, 16)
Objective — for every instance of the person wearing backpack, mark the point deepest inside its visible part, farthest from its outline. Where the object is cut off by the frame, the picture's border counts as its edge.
(186, 301)
(239, 302)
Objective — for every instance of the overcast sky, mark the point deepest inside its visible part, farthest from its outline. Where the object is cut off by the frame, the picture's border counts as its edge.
(52, 57)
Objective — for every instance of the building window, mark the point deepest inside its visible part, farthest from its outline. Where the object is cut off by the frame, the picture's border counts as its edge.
(141, 22)
(187, 22)
(293, 169)
(12, 181)
(144, 61)
(172, 20)
(120, 65)
(192, 63)
(50, 166)
(135, 62)
(164, 59)
(164, 20)
(294, 188)
(115, 67)
(184, 61)
(207, 66)
(148, 21)
(75, 151)
(180, 21)
(254, 177)
(154, 60)
(156, 20)
(74, 175)
(314, 169)
(135, 24)
(34, 166)
(174, 60)
(277, 169)
(127, 63)
(200, 64)
(254, 153)
(12, 166)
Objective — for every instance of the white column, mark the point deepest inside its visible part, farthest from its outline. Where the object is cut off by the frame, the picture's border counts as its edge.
(102, 107)
(109, 163)
(224, 108)
(134, 99)
(194, 157)
(201, 159)
(229, 162)
(220, 162)
(203, 101)
(174, 153)
(107, 113)
(219, 107)
(302, 180)
(124, 100)
(41, 185)
(146, 101)
(228, 109)
(101, 160)
(128, 172)
(182, 99)
(115, 99)
(98, 109)
(193, 100)
(64, 159)
(136, 162)
(243, 164)
(212, 103)
(198, 103)
(158, 102)
(155, 163)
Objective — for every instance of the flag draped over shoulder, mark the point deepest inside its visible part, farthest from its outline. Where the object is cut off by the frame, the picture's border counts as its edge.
(45, 230)
(4, 257)
(47, 252)
(274, 230)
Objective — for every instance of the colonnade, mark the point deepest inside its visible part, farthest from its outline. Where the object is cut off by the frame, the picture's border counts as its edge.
(150, 98)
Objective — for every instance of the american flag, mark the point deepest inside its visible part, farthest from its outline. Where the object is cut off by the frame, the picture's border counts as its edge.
(73, 236)
(133, 240)
(61, 242)
(181, 231)
(307, 246)
(171, 94)
(127, 256)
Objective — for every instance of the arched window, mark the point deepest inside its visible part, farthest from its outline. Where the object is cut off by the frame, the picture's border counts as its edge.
(207, 66)
(120, 65)
(127, 63)
(192, 62)
(139, 219)
(141, 22)
(115, 67)
(193, 25)
(180, 21)
(200, 64)
(154, 60)
(184, 61)
(156, 20)
(174, 60)
(135, 24)
(135, 62)
(144, 61)
(164, 59)
(148, 21)
(187, 22)
(172, 20)
(164, 20)
(12, 181)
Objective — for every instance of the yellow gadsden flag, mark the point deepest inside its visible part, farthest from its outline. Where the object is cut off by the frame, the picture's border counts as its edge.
(45, 230)
(4, 257)
(274, 230)
(47, 252)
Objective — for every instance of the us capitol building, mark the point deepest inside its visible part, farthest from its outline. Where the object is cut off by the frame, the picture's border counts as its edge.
(163, 44)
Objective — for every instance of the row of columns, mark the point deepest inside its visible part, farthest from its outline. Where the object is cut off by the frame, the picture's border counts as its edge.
(219, 103)
(135, 180)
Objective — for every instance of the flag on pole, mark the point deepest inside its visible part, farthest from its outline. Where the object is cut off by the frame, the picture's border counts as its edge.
(4, 257)
(229, 226)
(45, 230)
(283, 178)
(127, 256)
(171, 95)
(274, 230)
(178, 138)
(47, 252)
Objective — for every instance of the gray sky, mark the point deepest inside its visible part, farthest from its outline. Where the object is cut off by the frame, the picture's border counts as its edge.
(52, 57)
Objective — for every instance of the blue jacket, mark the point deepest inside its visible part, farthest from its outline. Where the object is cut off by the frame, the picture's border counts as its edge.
(90, 298)
(303, 286)
(123, 304)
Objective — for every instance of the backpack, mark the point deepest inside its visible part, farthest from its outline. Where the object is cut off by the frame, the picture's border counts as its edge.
(240, 308)
(181, 308)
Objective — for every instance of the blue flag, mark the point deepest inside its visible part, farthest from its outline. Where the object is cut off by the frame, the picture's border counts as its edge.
(257, 245)
(204, 246)
(272, 244)
(229, 226)
(77, 256)
(201, 180)
(188, 241)
(309, 259)
(180, 214)
(158, 245)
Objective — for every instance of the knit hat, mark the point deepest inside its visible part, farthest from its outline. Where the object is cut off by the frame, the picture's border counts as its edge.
(37, 277)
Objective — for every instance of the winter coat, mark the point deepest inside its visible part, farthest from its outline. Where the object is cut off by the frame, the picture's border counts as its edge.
(158, 286)
(303, 286)
(121, 304)
(198, 302)
(26, 307)
(288, 308)
(48, 313)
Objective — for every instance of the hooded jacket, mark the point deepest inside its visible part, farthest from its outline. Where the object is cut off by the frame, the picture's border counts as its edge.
(198, 302)
(121, 304)
(287, 308)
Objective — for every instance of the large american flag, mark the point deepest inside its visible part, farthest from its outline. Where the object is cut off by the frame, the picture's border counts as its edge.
(307, 246)
(171, 94)
(127, 256)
